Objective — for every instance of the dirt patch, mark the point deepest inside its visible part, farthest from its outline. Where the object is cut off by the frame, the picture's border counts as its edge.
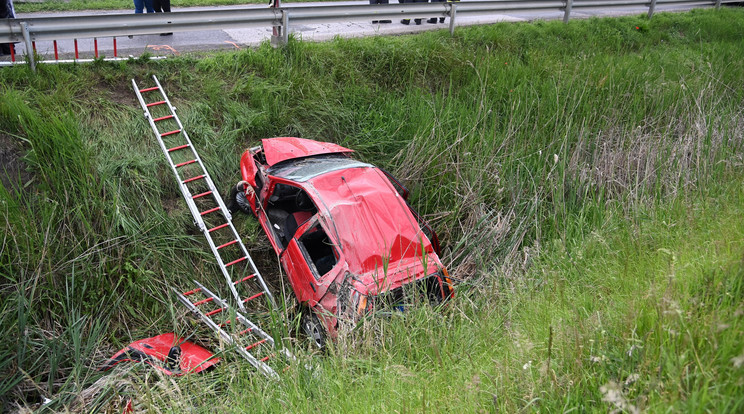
(121, 94)
(14, 174)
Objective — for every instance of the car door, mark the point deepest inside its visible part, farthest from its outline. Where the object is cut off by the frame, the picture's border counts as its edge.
(308, 258)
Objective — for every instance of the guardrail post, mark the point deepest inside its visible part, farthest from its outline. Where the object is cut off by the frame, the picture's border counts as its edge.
(29, 46)
(452, 14)
(651, 8)
(285, 27)
(567, 13)
(718, 4)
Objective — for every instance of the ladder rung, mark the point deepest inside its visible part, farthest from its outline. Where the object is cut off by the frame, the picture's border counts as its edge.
(188, 180)
(191, 292)
(165, 134)
(219, 227)
(224, 324)
(154, 88)
(162, 118)
(185, 163)
(245, 331)
(214, 312)
(266, 358)
(236, 261)
(228, 244)
(178, 147)
(244, 279)
(206, 193)
(253, 297)
(211, 210)
(253, 345)
(203, 301)
(155, 103)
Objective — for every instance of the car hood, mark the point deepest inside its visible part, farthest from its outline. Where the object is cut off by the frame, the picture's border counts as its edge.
(281, 149)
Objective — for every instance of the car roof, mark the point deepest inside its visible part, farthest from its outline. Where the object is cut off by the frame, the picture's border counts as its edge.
(371, 221)
(281, 149)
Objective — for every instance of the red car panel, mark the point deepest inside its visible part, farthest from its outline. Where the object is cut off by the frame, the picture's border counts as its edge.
(286, 148)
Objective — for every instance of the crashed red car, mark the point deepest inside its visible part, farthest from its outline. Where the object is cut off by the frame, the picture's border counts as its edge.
(345, 235)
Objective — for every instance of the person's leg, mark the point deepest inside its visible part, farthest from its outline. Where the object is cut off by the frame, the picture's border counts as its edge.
(384, 2)
(374, 2)
(434, 19)
(157, 6)
(418, 21)
(405, 21)
(148, 6)
(138, 6)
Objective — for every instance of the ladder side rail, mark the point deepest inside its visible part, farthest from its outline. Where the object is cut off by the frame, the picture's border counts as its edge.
(220, 302)
(182, 186)
(207, 177)
(246, 322)
(253, 267)
(184, 190)
(223, 209)
(223, 268)
(262, 367)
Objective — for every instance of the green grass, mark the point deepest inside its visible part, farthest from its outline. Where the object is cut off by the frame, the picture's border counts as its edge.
(585, 179)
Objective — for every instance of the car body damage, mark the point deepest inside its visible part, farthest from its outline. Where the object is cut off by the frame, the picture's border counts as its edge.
(343, 230)
(168, 353)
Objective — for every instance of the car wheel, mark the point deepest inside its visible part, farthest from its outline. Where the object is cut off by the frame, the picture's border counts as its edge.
(313, 328)
(237, 200)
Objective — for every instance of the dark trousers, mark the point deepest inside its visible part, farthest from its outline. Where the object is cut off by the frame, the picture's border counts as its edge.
(6, 12)
(161, 6)
(434, 19)
(418, 21)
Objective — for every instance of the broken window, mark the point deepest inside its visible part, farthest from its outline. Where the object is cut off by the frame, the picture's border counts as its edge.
(319, 250)
(289, 207)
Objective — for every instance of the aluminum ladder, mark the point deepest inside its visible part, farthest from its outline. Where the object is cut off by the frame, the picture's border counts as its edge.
(212, 217)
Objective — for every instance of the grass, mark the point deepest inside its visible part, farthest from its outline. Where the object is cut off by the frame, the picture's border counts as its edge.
(585, 179)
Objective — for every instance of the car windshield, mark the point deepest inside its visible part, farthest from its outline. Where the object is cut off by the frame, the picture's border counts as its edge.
(303, 169)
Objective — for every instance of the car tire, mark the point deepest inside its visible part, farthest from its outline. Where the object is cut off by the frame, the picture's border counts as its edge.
(313, 328)
(236, 201)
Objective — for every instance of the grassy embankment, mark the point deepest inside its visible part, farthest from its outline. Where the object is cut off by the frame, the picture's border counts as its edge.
(586, 179)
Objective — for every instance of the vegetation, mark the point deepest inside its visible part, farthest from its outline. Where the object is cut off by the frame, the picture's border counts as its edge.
(586, 180)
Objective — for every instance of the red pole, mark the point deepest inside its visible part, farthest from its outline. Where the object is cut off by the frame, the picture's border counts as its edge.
(12, 53)
(33, 44)
(56, 53)
(95, 45)
(115, 55)
(76, 50)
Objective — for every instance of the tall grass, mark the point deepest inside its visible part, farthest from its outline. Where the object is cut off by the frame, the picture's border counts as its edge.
(571, 169)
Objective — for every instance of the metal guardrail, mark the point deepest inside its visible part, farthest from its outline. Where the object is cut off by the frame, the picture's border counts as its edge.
(30, 30)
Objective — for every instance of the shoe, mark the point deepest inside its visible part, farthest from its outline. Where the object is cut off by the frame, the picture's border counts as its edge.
(441, 20)
(131, 36)
(375, 21)
(166, 34)
(406, 21)
(432, 21)
(386, 21)
(418, 21)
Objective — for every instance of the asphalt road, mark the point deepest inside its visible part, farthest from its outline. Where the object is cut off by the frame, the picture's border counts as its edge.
(241, 38)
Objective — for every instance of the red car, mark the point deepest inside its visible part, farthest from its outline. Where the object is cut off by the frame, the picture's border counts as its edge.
(345, 235)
